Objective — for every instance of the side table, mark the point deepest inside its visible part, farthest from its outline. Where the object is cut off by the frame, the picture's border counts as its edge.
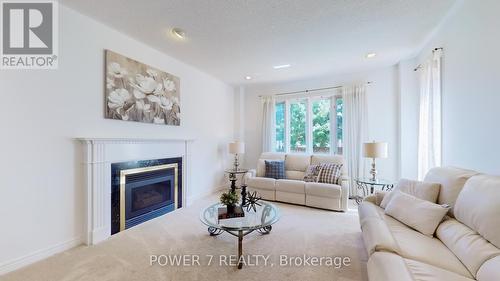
(368, 187)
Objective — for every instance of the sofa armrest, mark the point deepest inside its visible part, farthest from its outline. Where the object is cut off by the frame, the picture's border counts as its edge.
(250, 174)
(344, 183)
(371, 199)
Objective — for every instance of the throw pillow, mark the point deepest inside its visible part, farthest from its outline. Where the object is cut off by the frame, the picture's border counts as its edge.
(330, 173)
(312, 173)
(416, 213)
(424, 190)
(275, 169)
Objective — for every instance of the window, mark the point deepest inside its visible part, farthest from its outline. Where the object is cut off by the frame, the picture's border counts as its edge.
(280, 127)
(309, 125)
(298, 111)
(339, 106)
(321, 126)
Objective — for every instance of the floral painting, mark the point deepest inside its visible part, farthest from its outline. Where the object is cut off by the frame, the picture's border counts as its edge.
(140, 93)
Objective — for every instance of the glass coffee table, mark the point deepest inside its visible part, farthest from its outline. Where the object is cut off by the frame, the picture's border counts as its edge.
(261, 220)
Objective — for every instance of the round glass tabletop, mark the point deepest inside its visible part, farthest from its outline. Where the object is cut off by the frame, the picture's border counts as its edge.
(376, 182)
(265, 215)
(239, 171)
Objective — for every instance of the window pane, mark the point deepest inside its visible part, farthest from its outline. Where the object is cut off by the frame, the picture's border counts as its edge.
(280, 127)
(321, 126)
(339, 109)
(298, 126)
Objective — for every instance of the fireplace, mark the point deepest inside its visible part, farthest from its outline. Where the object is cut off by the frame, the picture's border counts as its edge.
(143, 190)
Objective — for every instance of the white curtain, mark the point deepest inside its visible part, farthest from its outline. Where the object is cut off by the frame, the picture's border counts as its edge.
(354, 131)
(429, 131)
(268, 124)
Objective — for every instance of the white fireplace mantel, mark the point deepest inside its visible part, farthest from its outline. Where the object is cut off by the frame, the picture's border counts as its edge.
(100, 153)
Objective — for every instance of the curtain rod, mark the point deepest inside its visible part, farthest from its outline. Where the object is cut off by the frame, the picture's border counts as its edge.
(311, 90)
(420, 65)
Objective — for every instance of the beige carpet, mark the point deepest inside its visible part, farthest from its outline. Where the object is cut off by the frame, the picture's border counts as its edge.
(126, 255)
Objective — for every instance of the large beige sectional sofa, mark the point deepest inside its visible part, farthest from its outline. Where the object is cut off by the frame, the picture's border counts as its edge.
(293, 189)
(464, 247)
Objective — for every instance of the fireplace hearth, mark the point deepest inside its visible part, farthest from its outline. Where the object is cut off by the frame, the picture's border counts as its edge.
(143, 190)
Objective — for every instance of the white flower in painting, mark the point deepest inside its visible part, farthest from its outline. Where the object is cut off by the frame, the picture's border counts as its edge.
(146, 85)
(153, 99)
(166, 103)
(138, 94)
(158, 120)
(151, 72)
(175, 100)
(146, 107)
(118, 98)
(115, 70)
(110, 83)
(125, 117)
(169, 85)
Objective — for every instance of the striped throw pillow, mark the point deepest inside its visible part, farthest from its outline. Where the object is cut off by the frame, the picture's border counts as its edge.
(330, 173)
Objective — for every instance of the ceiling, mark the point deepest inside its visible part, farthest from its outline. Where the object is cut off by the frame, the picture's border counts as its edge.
(231, 39)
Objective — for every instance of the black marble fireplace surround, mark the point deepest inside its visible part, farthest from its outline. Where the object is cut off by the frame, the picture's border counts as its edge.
(148, 193)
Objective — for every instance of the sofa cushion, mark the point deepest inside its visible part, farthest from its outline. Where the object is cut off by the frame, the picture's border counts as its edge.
(293, 186)
(423, 190)
(330, 173)
(478, 206)
(417, 246)
(319, 159)
(391, 267)
(490, 270)
(297, 162)
(405, 241)
(419, 214)
(452, 181)
(294, 175)
(275, 169)
(472, 249)
(261, 183)
(261, 166)
(323, 189)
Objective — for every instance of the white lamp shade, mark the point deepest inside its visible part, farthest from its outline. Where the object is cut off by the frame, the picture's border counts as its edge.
(237, 147)
(375, 150)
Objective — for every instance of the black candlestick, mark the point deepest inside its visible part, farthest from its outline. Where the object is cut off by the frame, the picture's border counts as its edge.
(243, 195)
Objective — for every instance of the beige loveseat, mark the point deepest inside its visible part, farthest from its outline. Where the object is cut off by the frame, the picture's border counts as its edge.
(464, 247)
(293, 189)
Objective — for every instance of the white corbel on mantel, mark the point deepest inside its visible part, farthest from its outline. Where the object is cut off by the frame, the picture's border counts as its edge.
(100, 153)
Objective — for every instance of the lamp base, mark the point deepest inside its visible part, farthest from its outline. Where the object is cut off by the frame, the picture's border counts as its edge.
(236, 163)
(373, 171)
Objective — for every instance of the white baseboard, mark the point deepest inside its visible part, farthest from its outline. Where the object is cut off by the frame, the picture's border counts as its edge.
(191, 199)
(38, 255)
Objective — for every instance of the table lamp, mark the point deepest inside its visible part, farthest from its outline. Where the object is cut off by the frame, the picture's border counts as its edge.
(236, 148)
(374, 150)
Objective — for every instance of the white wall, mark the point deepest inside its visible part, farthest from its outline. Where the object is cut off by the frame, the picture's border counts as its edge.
(41, 191)
(408, 118)
(471, 96)
(383, 113)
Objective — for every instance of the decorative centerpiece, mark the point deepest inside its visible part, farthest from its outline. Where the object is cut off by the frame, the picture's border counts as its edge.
(252, 201)
(230, 199)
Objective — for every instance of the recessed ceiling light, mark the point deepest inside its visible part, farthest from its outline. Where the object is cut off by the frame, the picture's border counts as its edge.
(371, 55)
(178, 33)
(248, 77)
(281, 66)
